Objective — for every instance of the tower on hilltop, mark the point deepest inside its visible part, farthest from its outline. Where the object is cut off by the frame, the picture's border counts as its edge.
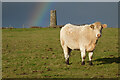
(53, 21)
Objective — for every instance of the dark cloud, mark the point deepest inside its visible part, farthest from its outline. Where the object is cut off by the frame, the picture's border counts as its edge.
(17, 14)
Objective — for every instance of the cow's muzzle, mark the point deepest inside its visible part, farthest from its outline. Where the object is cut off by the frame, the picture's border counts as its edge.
(98, 35)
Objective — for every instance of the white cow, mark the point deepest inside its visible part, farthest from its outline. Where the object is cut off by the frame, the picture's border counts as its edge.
(83, 38)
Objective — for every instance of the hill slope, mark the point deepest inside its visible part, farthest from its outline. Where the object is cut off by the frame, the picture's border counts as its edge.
(36, 53)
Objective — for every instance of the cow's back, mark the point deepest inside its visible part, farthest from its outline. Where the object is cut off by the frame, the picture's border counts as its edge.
(73, 36)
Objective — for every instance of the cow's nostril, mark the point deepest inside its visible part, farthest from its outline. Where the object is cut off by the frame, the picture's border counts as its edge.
(98, 35)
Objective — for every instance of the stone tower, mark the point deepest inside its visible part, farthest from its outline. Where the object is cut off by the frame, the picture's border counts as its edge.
(53, 21)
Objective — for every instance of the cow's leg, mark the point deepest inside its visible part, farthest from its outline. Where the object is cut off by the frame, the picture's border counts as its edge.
(90, 58)
(66, 54)
(69, 51)
(83, 55)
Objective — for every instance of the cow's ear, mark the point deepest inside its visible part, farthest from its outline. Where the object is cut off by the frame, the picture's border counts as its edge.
(104, 25)
(92, 26)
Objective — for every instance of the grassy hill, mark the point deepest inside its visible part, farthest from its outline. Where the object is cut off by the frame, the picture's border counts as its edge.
(37, 53)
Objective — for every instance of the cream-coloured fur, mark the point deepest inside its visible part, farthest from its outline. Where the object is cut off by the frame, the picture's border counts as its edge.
(80, 37)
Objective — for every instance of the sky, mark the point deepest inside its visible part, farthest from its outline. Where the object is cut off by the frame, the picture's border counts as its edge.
(17, 14)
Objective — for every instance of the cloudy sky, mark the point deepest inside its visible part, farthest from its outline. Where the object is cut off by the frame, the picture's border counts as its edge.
(38, 13)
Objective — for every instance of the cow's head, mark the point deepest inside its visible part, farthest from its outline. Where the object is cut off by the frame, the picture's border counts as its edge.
(97, 28)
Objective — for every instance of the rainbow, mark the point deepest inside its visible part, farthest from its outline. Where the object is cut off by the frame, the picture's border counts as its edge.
(38, 14)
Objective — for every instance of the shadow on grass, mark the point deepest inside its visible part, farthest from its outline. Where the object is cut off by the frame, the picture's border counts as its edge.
(108, 60)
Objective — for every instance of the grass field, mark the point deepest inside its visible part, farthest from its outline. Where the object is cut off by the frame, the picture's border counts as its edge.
(36, 53)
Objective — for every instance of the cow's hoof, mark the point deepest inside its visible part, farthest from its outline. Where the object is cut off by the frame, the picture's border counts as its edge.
(67, 62)
(83, 63)
(90, 63)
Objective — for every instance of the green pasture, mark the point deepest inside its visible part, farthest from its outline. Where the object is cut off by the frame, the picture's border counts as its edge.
(37, 53)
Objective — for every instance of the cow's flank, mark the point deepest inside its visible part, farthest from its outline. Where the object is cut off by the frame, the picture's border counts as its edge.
(82, 37)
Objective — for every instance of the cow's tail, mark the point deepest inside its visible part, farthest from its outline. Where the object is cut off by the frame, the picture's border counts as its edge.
(61, 39)
(62, 42)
